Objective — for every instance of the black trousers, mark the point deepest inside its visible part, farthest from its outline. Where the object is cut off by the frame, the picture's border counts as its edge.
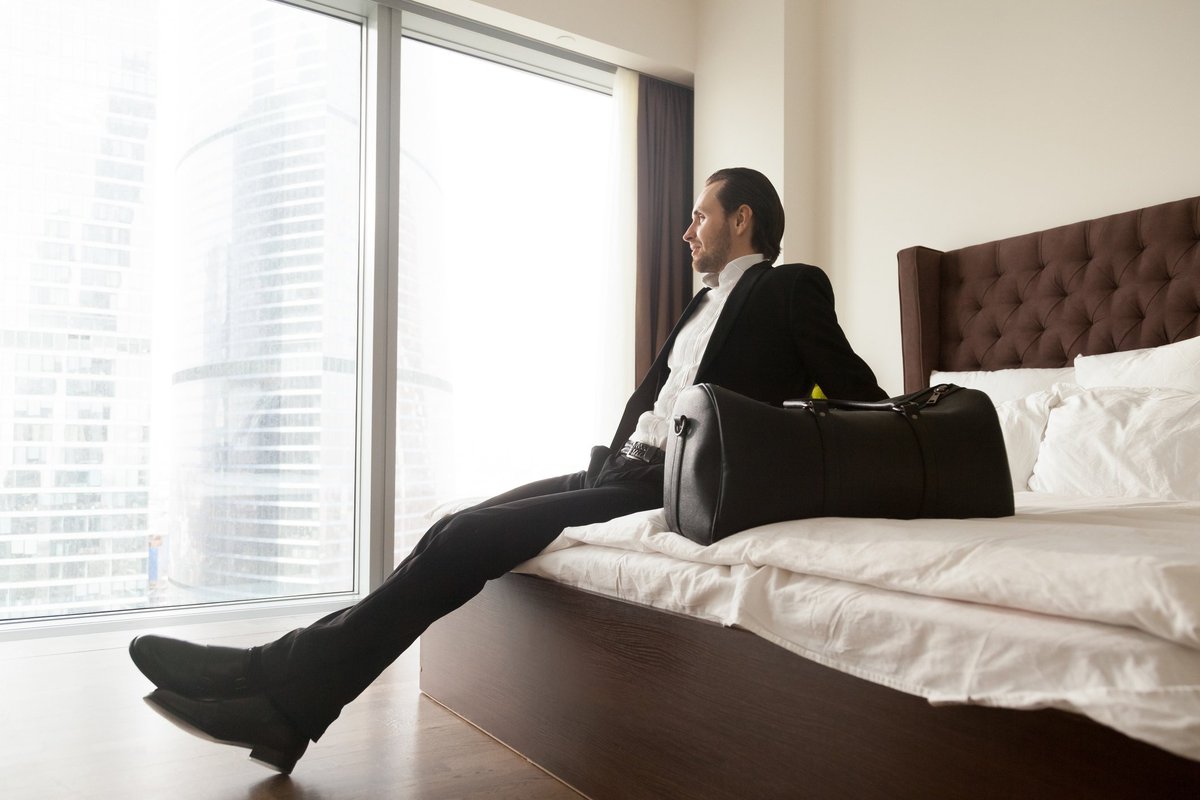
(311, 673)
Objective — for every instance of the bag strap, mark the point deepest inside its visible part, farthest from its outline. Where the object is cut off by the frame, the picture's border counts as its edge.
(827, 474)
(917, 425)
(682, 426)
(907, 403)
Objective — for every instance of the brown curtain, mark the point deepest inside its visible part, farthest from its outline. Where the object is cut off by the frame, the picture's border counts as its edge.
(664, 209)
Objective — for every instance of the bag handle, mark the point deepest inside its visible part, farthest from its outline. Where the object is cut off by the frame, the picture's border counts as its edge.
(907, 404)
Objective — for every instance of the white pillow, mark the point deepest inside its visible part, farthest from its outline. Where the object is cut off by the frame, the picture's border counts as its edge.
(1003, 385)
(1023, 423)
(1175, 366)
(1122, 442)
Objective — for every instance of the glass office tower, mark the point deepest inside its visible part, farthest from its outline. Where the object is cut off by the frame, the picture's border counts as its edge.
(266, 262)
(76, 155)
(179, 244)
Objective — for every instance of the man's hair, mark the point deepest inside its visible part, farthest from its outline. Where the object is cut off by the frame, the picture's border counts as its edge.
(743, 186)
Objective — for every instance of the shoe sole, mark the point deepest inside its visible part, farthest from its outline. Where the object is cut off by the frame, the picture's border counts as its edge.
(267, 756)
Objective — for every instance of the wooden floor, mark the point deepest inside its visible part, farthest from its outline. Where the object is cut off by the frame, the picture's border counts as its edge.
(73, 725)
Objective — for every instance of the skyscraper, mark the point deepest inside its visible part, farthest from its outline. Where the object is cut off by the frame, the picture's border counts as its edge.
(180, 198)
(75, 348)
(263, 376)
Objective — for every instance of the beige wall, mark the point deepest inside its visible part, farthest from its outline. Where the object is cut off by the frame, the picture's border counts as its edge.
(740, 86)
(947, 122)
(951, 122)
(757, 85)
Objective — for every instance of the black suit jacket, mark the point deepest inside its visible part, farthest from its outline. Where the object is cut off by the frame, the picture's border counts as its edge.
(777, 336)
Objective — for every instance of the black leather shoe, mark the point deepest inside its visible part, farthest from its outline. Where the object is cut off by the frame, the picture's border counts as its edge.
(251, 722)
(197, 671)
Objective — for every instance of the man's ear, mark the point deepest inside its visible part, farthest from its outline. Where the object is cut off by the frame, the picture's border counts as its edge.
(743, 221)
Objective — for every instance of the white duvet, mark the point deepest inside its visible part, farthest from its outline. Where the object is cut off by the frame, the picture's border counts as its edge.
(1074, 603)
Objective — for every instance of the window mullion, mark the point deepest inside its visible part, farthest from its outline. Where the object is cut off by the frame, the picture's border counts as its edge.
(377, 407)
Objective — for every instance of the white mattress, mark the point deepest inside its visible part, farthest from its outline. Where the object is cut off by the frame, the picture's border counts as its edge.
(1084, 605)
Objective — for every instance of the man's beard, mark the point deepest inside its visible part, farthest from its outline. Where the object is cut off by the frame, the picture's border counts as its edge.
(714, 257)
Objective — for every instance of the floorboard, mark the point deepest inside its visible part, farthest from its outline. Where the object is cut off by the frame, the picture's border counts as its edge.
(74, 726)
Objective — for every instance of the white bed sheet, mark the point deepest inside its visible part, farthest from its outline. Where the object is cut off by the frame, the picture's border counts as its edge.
(1084, 605)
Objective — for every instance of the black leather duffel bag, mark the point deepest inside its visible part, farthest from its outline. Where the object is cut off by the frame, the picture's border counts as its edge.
(734, 463)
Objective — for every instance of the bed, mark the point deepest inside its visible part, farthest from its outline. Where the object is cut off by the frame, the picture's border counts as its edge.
(1054, 654)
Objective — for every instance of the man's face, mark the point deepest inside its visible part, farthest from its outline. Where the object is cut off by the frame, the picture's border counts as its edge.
(709, 235)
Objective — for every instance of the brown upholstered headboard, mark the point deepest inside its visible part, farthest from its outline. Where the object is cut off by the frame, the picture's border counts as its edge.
(1120, 282)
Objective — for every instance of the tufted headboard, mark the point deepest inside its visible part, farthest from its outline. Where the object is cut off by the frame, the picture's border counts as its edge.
(1120, 282)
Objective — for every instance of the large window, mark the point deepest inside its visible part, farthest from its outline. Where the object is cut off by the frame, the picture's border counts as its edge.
(179, 251)
(506, 358)
(195, 303)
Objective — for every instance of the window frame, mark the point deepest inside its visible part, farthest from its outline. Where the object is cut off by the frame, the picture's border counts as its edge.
(384, 23)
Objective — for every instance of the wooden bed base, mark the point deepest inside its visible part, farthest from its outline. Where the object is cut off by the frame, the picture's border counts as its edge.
(624, 701)
(620, 700)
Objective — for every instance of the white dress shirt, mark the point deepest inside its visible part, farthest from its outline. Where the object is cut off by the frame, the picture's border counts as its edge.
(688, 349)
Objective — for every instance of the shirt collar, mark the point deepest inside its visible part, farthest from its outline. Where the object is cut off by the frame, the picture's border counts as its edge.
(722, 282)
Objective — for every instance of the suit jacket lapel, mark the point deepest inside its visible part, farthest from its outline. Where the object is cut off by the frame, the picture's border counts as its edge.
(729, 315)
(659, 368)
(647, 391)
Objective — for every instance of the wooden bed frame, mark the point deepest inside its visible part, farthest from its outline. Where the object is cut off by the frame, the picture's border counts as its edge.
(620, 700)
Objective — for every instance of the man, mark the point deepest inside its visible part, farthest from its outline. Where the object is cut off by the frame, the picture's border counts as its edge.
(769, 333)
